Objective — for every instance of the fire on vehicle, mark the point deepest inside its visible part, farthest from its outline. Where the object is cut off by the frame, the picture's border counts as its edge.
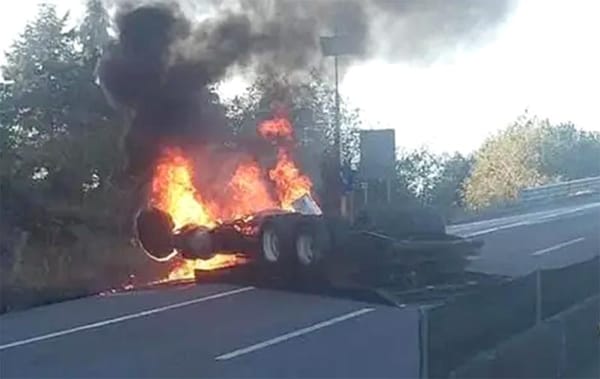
(253, 212)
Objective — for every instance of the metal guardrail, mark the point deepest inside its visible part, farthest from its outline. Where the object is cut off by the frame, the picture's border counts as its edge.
(550, 192)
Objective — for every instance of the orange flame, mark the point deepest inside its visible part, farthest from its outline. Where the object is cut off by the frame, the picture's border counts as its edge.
(173, 191)
(186, 269)
(278, 127)
(289, 182)
(246, 192)
(250, 189)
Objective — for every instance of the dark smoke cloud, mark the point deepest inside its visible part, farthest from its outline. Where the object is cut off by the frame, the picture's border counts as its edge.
(168, 54)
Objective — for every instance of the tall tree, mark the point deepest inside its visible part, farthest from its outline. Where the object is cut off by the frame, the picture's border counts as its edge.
(93, 32)
(54, 115)
(40, 68)
(568, 153)
(448, 190)
(506, 163)
(420, 169)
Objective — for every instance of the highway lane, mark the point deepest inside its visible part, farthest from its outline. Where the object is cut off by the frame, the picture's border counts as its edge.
(227, 331)
(321, 336)
(516, 245)
(477, 228)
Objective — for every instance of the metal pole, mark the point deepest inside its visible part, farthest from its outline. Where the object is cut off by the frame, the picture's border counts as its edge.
(365, 194)
(351, 207)
(337, 140)
(388, 187)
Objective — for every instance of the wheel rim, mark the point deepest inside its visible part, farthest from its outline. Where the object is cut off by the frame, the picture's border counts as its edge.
(270, 244)
(306, 249)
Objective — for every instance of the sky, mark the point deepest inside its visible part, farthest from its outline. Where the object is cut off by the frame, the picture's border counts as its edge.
(545, 59)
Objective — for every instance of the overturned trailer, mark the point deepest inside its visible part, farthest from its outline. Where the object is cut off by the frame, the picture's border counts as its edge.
(306, 247)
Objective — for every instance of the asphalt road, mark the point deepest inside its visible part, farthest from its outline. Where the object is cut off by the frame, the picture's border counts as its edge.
(516, 245)
(226, 331)
(209, 331)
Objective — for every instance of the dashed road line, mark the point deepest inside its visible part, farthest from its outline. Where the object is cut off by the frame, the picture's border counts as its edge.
(294, 334)
(558, 246)
(122, 318)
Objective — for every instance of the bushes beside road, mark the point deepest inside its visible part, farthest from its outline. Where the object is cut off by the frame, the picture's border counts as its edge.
(76, 259)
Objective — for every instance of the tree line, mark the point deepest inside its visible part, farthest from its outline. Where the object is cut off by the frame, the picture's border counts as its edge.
(529, 152)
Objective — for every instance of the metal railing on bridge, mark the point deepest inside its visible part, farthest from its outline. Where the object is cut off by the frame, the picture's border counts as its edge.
(563, 190)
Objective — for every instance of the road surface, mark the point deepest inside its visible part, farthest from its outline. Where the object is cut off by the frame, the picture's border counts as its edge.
(516, 245)
(209, 331)
(226, 331)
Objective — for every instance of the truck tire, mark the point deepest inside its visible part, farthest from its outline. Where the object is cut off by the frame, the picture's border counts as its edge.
(312, 244)
(154, 231)
(270, 245)
(312, 249)
(274, 242)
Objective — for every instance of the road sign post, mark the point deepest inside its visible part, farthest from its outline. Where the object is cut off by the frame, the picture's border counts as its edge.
(337, 46)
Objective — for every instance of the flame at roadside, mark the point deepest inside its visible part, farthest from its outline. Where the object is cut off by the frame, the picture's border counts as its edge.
(250, 189)
(173, 191)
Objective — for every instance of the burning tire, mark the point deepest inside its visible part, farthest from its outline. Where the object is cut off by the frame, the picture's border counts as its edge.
(153, 229)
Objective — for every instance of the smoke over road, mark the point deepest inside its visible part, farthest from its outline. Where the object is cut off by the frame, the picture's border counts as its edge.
(169, 53)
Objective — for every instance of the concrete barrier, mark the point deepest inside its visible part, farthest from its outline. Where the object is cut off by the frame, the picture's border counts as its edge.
(557, 347)
(465, 325)
(582, 335)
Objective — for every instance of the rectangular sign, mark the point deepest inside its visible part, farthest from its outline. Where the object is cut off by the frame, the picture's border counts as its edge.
(347, 44)
(377, 154)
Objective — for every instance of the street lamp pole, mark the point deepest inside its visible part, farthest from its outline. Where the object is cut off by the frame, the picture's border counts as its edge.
(337, 133)
(336, 46)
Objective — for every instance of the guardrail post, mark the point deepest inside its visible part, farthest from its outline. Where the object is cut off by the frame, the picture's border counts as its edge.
(424, 343)
(538, 291)
(562, 364)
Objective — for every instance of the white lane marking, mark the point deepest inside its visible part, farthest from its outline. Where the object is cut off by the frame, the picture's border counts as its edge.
(122, 318)
(296, 333)
(513, 221)
(558, 246)
(496, 229)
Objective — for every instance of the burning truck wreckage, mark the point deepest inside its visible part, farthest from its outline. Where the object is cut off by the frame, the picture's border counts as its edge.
(216, 206)
(265, 224)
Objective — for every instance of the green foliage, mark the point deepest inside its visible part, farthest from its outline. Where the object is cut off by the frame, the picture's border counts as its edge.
(54, 117)
(420, 170)
(568, 153)
(506, 163)
(432, 179)
(41, 69)
(58, 150)
(93, 32)
(448, 191)
(529, 153)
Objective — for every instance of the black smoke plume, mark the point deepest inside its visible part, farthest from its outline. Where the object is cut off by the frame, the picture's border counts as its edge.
(168, 55)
